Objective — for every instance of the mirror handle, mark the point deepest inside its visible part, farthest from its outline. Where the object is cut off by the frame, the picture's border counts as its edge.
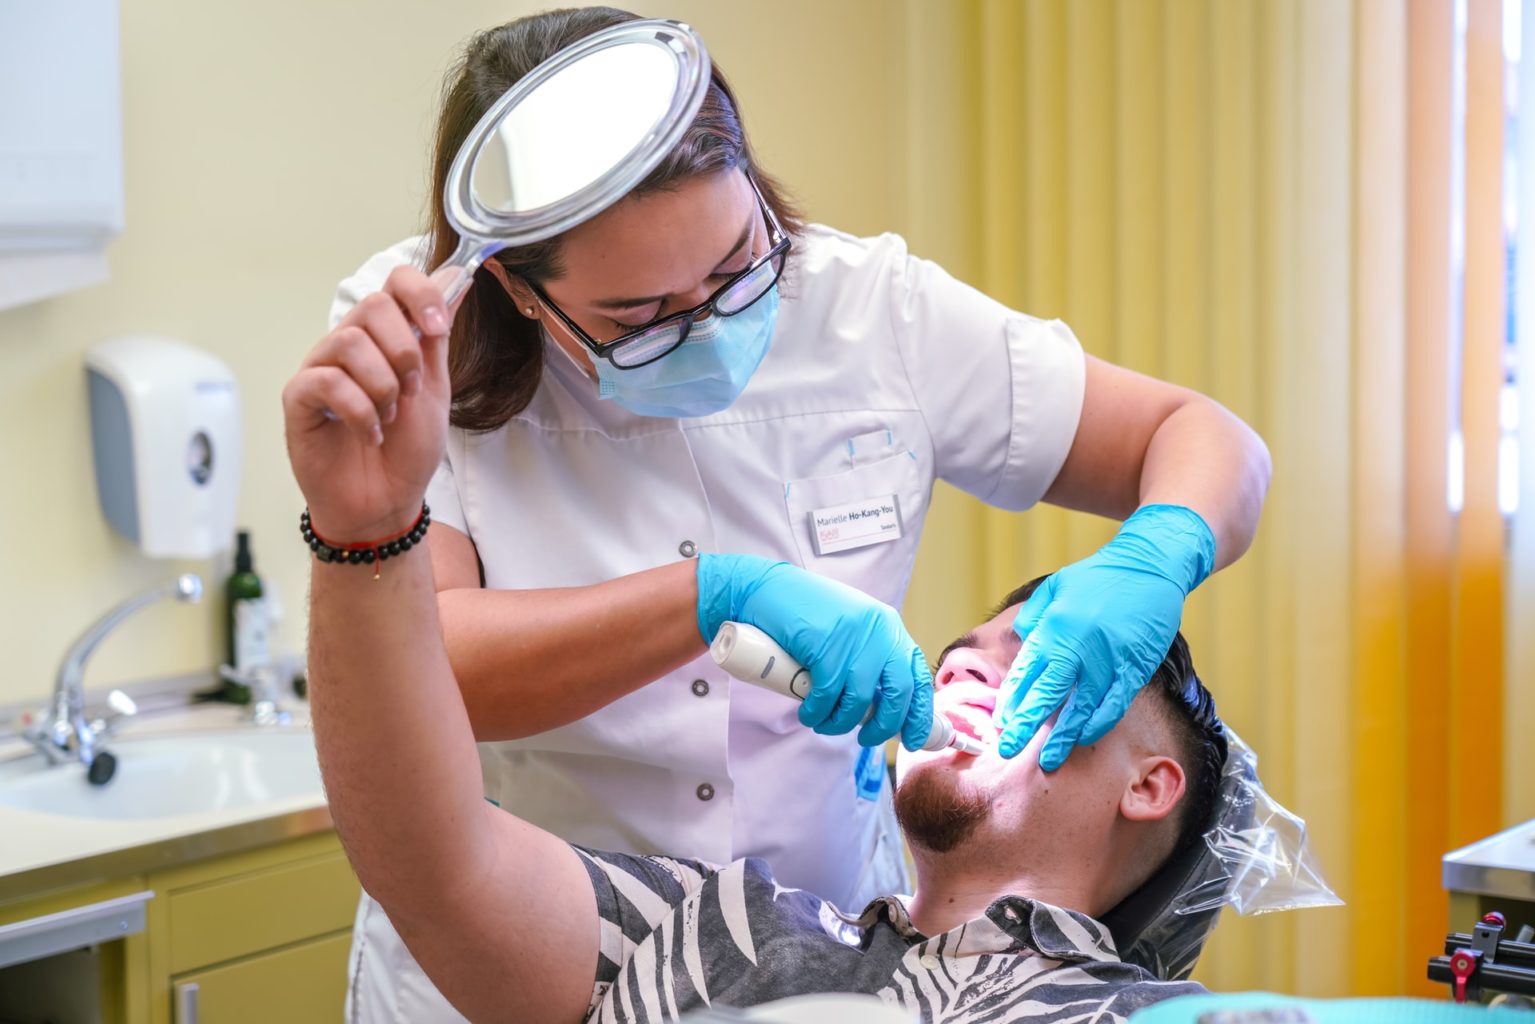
(456, 273)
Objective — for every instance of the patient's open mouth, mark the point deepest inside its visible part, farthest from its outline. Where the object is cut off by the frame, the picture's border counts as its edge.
(971, 720)
(961, 725)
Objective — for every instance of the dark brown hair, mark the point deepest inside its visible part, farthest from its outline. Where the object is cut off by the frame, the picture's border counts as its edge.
(495, 354)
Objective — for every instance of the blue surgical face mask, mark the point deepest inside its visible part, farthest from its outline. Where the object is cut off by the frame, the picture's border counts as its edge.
(705, 374)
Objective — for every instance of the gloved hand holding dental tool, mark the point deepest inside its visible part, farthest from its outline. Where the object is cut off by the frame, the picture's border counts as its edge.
(865, 669)
(1095, 631)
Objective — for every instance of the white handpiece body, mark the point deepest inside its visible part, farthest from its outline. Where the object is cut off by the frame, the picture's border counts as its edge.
(752, 656)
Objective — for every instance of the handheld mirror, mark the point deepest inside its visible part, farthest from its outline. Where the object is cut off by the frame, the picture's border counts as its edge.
(572, 137)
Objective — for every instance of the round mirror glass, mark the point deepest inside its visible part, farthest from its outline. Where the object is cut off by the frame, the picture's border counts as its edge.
(572, 137)
(575, 128)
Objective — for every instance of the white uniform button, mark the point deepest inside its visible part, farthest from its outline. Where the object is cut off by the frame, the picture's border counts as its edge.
(687, 549)
(930, 962)
(700, 688)
(705, 791)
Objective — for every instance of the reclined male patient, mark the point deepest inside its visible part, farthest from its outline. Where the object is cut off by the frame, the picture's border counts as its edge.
(511, 922)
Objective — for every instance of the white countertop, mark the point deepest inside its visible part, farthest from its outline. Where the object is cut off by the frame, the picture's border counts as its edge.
(42, 851)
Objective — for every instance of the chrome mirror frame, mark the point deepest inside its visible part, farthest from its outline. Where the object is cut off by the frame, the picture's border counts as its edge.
(484, 230)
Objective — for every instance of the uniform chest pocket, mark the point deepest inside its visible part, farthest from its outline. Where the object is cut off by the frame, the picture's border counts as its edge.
(860, 526)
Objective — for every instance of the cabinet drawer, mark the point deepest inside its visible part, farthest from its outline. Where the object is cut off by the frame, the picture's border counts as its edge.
(298, 985)
(287, 903)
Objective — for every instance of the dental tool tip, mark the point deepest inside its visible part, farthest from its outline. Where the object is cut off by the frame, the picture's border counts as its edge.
(965, 745)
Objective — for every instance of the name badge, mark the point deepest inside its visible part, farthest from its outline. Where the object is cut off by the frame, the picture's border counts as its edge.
(856, 524)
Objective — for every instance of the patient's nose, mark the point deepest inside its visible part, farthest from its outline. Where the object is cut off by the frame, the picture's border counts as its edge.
(966, 665)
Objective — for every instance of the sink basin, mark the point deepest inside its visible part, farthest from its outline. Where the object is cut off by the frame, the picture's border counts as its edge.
(166, 776)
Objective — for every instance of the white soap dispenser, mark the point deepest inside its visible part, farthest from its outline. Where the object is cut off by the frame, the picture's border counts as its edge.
(165, 428)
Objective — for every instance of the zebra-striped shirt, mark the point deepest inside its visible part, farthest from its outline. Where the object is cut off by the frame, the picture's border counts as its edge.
(678, 935)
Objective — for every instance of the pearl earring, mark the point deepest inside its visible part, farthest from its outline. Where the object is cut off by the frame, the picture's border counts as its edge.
(530, 312)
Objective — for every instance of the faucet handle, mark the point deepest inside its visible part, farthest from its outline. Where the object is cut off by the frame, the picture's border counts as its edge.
(119, 707)
(47, 734)
(33, 725)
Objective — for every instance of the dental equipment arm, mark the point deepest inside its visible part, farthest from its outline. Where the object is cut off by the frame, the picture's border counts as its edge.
(751, 656)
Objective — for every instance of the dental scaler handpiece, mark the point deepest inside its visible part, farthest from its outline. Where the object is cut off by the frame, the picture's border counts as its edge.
(752, 656)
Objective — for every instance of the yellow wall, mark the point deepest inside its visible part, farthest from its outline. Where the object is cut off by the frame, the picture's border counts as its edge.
(271, 147)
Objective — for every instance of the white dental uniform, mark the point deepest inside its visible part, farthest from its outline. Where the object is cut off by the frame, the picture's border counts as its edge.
(884, 374)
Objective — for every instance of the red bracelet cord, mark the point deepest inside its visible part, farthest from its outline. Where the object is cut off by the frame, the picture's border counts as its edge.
(365, 552)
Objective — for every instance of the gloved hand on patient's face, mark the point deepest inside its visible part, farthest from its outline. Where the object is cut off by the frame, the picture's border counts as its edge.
(856, 648)
(1095, 631)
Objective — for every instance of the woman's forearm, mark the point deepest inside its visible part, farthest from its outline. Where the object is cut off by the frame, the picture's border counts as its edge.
(532, 660)
(1204, 457)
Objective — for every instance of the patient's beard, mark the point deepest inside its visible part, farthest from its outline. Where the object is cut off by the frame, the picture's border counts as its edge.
(936, 810)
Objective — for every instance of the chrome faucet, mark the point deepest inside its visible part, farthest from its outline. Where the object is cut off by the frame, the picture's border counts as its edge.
(63, 734)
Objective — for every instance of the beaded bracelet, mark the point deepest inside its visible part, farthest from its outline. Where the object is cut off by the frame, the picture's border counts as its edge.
(371, 552)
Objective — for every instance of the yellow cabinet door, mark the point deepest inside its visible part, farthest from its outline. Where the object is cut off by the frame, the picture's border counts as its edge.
(298, 985)
(257, 910)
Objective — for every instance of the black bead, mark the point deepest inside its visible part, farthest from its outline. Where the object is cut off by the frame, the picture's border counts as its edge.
(364, 556)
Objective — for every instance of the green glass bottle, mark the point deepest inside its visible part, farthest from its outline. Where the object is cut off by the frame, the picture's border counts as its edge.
(247, 620)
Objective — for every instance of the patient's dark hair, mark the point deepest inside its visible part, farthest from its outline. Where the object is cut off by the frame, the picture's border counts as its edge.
(1189, 711)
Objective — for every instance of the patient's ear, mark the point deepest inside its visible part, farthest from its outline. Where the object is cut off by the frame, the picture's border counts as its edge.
(1154, 790)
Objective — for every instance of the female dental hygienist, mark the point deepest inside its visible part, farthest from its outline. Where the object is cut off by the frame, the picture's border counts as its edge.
(696, 371)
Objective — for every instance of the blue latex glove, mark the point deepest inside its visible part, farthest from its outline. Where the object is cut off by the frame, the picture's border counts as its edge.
(856, 648)
(1094, 632)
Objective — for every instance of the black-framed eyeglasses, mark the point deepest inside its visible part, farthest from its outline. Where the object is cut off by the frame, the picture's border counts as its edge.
(659, 338)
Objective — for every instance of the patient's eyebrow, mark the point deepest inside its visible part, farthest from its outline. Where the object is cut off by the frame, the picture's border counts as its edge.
(968, 640)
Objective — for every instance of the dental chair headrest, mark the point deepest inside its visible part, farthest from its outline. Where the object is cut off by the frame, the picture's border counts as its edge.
(1253, 857)
(1162, 926)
